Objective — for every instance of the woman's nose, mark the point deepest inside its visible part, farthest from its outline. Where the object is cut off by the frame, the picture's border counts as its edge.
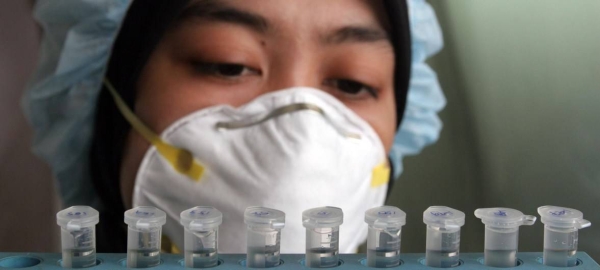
(294, 71)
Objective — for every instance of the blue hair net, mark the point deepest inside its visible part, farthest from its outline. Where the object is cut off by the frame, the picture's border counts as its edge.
(61, 99)
(78, 36)
(421, 125)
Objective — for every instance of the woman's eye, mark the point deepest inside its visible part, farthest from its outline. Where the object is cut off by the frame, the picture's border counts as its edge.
(225, 70)
(351, 87)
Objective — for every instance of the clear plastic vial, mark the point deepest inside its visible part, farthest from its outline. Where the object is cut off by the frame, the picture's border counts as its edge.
(443, 236)
(263, 236)
(561, 226)
(143, 236)
(201, 228)
(502, 234)
(383, 240)
(78, 236)
(322, 236)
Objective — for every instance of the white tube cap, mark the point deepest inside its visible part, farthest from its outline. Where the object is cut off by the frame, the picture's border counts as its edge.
(201, 218)
(384, 217)
(562, 217)
(443, 217)
(145, 217)
(256, 216)
(503, 217)
(77, 217)
(323, 217)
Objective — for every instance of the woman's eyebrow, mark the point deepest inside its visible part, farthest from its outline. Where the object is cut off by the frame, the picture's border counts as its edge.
(214, 10)
(355, 34)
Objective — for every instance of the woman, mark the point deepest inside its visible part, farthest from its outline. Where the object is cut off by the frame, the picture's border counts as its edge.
(184, 68)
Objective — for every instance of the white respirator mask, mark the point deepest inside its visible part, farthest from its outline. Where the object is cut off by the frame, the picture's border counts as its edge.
(290, 150)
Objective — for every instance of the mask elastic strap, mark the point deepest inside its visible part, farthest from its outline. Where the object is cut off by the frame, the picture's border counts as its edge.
(180, 159)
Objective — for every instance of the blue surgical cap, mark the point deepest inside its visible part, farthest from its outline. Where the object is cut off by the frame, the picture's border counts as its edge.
(78, 37)
(421, 125)
(61, 98)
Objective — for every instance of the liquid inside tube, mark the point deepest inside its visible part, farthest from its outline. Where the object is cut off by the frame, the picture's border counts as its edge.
(442, 259)
(201, 259)
(263, 250)
(322, 247)
(82, 252)
(201, 249)
(560, 247)
(382, 258)
(147, 253)
(443, 247)
(501, 246)
(383, 247)
(560, 258)
(500, 258)
(322, 257)
(263, 257)
(143, 258)
(78, 258)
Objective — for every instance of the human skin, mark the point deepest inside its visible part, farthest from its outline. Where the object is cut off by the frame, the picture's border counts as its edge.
(212, 58)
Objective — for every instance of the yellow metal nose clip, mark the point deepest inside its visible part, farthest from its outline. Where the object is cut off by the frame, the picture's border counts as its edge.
(180, 159)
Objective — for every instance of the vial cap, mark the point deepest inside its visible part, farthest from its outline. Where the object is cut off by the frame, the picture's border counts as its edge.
(503, 217)
(257, 216)
(77, 217)
(201, 217)
(385, 217)
(443, 217)
(562, 217)
(145, 217)
(323, 217)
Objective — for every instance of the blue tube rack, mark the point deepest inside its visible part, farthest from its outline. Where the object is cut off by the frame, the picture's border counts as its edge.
(108, 261)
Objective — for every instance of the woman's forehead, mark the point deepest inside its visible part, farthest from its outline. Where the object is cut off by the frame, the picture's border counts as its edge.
(329, 21)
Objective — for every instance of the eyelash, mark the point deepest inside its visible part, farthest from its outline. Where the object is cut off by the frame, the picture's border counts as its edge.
(231, 71)
(224, 70)
(345, 83)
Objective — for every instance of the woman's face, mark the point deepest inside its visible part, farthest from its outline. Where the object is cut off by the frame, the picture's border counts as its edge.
(232, 51)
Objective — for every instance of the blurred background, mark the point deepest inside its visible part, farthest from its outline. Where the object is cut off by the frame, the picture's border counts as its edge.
(522, 124)
(521, 128)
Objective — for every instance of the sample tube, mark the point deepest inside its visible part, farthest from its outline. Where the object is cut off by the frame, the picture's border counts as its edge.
(263, 235)
(443, 236)
(502, 234)
(201, 227)
(561, 226)
(143, 236)
(322, 236)
(383, 241)
(78, 236)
